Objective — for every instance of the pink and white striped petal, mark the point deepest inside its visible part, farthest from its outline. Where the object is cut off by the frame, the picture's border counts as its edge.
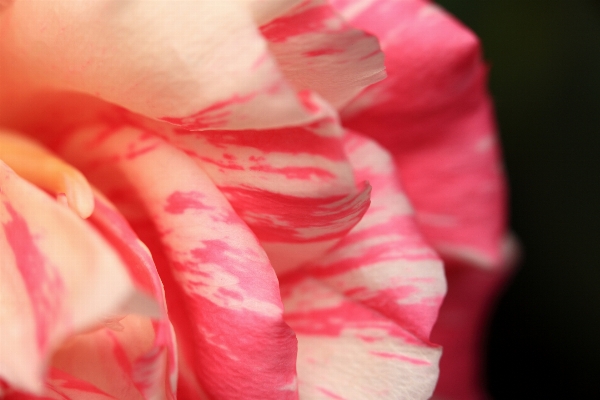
(61, 386)
(365, 310)
(434, 114)
(59, 277)
(317, 50)
(221, 291)
(349, 351)
(152, 367)
(196, 64)
(294, 187)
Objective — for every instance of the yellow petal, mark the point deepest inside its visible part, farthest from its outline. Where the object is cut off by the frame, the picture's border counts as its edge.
(39, 166)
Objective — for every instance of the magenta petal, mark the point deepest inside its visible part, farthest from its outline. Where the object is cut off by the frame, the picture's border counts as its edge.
(153, 370)
(433, 113)
(462, 325)
(222, 293)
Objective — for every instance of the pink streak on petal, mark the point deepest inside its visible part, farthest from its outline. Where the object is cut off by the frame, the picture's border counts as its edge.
(292, 140)
(179, 202)
(400, 357)
(286, 27)
(336, 214)
(330, 394)
(222, 293)
(37, 275)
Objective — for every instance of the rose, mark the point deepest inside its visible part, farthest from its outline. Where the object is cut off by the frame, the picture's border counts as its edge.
(361, 303)
(434, 115)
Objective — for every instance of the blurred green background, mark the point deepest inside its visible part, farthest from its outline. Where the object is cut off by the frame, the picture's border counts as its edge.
(545, 79)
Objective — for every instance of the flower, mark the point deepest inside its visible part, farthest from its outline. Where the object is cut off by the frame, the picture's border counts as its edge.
(231, 140)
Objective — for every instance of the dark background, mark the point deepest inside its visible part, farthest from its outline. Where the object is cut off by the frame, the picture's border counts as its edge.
(544, 341)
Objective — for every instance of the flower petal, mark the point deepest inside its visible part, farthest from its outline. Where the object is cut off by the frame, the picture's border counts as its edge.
(463, 322)
(348, 351)
(317, 50)
(375, 295)
(153, 368)
(59, 276)
(222, 293)
(294, 187)
(265, 11)
(434, 115)
(61, 385)
(196, 64)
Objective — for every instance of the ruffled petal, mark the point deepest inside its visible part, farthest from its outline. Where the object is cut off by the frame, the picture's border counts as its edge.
(222, 293)
(317, 50)
(434, 115)
(348, 351)
(196, 64)
(59, 277)
(152, 367)
(363, 312)
(294, 187)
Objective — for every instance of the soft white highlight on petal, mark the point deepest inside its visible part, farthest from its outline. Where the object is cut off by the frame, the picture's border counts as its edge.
(61, 277)
(197, 64)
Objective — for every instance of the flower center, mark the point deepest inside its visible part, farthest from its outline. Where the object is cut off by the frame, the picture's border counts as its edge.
(39, 166)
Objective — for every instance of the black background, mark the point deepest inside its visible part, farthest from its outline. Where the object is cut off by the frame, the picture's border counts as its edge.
(544, 341)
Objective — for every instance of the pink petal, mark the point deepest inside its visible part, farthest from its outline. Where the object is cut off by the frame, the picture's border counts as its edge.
(59, 277)
(294, 187)
(109, 364)
(61, 385)
(435, 116)
(221, 291)
(153, 370)
(348, 351)
(462, 325)
(265, 11)
(197, 64)
(364, 312)
(317, 50)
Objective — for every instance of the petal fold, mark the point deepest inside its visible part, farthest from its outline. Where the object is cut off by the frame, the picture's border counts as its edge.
(348, 351)
(221, 291)
(317, 50)
(363, 313)
(294, 186)
(434, 114)
(196, 64)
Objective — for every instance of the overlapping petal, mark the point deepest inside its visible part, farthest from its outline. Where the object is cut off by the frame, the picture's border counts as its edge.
(434, 115)
(265, 177)
(462, 325)
(317, 50)
(60, 277)
(348, 351)
(166, 60)
(293, 186)
(221, 290)
(363, 312)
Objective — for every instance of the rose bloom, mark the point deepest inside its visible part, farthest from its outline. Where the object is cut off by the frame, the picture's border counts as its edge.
(227, 200)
